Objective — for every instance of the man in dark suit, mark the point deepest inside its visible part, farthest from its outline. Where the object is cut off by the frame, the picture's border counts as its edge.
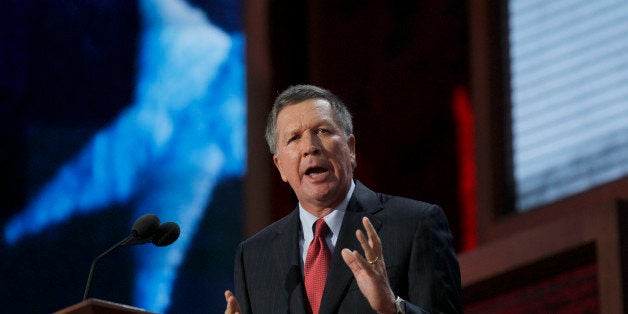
(345, 248)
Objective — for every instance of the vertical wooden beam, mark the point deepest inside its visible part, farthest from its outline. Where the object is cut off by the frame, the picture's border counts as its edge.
(257, 209)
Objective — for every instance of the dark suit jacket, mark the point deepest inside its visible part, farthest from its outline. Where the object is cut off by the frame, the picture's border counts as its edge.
(417, 244)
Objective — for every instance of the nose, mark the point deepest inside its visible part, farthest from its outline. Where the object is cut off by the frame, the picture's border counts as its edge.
(311, 145)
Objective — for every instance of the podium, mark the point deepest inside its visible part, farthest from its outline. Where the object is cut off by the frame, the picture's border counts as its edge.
(95, 306)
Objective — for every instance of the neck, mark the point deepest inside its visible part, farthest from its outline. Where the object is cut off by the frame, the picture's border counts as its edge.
(318, 211)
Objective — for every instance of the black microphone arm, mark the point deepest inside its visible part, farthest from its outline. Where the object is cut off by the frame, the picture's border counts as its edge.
(142, 232)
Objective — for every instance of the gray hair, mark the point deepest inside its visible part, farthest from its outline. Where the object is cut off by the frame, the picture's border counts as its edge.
(299, 93)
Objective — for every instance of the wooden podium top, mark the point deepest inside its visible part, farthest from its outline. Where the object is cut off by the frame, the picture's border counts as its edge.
(95, 306)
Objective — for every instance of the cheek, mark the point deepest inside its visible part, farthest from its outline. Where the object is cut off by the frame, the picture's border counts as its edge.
(344, 158)
(290, 164)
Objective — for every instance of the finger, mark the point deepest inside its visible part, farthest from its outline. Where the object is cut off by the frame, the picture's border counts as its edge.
(372, 234)
(348, 258)
(233, 307)
(369, 253)
(373, 246)
(362, 239)
(351, 261)
(356, 262)
(228, 294)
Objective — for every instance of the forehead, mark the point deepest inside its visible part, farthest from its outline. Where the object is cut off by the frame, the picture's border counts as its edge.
(311, 111)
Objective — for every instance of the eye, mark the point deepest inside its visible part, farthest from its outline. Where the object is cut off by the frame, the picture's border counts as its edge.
(293, 138)
(322, 131)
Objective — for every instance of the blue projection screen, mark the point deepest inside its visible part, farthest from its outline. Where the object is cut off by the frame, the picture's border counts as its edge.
(173, 145)
(569, 89)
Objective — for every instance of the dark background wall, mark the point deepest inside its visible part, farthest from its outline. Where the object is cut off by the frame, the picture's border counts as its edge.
(396, 64)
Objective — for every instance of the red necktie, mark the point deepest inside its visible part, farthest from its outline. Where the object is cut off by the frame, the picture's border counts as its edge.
(316, 265)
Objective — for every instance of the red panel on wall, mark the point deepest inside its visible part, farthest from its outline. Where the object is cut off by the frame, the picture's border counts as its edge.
(465, 146)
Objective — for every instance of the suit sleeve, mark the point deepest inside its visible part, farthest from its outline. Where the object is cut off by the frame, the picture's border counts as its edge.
(434, 274)
(241, 290)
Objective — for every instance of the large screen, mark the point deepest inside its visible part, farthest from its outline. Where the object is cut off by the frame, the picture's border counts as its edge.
(569, 96)
(120, 109)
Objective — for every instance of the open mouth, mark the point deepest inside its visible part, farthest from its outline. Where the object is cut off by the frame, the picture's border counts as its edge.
(314, 171)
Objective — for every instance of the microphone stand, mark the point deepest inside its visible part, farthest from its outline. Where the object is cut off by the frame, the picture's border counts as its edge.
(145, 229)
(93, 267)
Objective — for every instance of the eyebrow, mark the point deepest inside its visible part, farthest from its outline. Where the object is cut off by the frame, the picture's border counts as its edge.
(323, 123)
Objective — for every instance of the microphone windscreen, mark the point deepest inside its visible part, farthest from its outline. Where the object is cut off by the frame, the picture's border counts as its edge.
(145, 226)
(166, 234)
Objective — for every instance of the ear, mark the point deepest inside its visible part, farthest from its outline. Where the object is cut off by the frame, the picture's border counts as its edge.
(278, 165)
(351, 143)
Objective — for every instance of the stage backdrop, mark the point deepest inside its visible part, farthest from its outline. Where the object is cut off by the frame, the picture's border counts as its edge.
(111, 110)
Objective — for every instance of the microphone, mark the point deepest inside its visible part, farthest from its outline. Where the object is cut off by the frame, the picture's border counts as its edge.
(145, 229)
(142, 231)
(166, 234)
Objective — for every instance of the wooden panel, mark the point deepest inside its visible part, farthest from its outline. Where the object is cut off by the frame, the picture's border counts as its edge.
(591, 235)
(572, 291)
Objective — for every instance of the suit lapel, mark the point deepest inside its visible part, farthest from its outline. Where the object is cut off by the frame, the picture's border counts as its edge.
(286, 247)
(363, 202)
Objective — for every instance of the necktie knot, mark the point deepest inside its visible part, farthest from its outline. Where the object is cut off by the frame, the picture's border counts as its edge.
(320, 228)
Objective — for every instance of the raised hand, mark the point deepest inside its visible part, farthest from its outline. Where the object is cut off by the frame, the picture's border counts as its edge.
(370, 270)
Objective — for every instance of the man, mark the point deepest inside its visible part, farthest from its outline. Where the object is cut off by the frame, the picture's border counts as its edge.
(404, 263)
